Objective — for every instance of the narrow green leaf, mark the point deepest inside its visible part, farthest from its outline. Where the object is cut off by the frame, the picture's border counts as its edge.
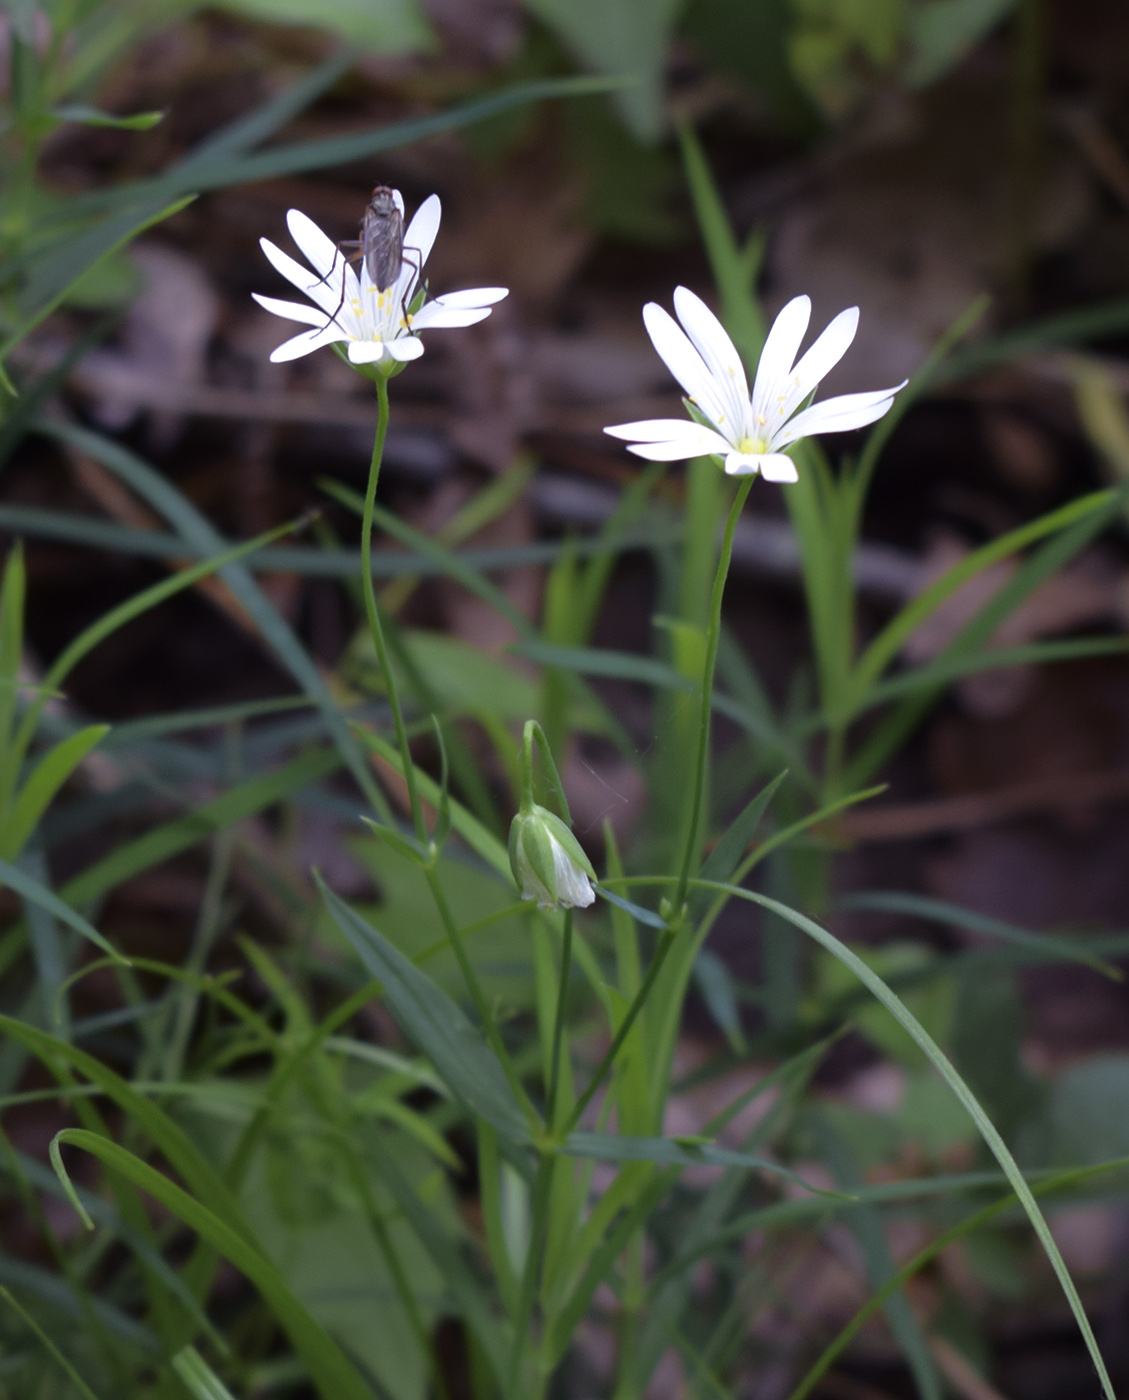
(675, 1152)
(725, 856)
(198, 1377)
(52, 1350)
(31, 889)
(55, 275)
(890, 640)
(45, 780)
(57, 1293)
(435, 1023)
(734, 269)
(954, 916)
(263, 122)
(166, 1136)
(647, 670)
(12, 597)
(312, 562)
(1106, 318)
(949, 668)
(334, 1376)
(92, 116)
(637, 911)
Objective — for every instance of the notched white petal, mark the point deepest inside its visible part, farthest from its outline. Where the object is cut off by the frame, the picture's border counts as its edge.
(781, 347)
(775, 466)
(366, 352)
(711, 340)
(473, 297)
(839, 415)
(292, 310)
(404, 348)
(320, 250)
(304, 344)
(684, 362)
(434, 316)
(741, 464)
(419, 236)
(822, 357)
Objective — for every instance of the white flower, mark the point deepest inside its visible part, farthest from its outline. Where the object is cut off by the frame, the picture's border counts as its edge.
(378, 327)
(548, 862)
(748, 432)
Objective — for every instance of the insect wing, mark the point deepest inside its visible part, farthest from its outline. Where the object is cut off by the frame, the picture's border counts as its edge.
(382, 236)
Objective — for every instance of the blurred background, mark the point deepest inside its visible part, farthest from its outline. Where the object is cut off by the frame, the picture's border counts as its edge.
(907, 156)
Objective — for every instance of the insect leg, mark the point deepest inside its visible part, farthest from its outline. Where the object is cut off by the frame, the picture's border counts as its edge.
(413, 285)
(355, 257)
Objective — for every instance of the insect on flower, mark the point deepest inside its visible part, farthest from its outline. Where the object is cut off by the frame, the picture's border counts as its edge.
(381, 244)
(377, 315)
(749, 431)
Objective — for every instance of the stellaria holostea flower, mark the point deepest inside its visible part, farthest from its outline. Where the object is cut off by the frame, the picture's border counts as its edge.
(377, 327)
(749, 432)
(548, 862)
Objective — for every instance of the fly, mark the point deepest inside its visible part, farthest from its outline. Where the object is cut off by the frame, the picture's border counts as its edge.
(380, 247)
(382, 238)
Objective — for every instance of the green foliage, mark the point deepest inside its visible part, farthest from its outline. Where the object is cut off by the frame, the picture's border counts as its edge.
(507, 1167)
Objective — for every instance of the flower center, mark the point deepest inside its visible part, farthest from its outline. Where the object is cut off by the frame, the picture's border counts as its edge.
(752, 447)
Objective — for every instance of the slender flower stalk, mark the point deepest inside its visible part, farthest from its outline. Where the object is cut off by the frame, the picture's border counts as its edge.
(377, 327)
(749, 431)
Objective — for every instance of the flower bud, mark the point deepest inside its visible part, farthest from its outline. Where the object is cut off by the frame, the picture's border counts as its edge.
(548, 862)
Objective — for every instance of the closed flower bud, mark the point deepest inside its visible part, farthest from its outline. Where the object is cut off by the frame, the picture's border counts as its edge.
(548, 862)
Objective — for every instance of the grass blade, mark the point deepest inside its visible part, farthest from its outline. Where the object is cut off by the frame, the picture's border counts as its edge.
(334, 1376)
(56, 1355)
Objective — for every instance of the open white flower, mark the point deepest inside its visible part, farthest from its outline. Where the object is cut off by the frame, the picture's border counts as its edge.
(749, 432)
(379, 328)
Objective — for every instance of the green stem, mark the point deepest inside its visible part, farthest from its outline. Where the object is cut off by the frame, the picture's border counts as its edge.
(489, 1024)
(697, 802)
(373, 615)
(541, 1190)
(558, 1022)
(712, 640)
(665, 945)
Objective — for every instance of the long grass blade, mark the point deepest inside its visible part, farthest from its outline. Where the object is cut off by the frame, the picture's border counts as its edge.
(335, 1377)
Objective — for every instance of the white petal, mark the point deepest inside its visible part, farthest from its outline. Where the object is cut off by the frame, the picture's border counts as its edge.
(434, 315)
(419, 237)
(838, 415)
(474, 296)
(742, 464)
(780, 350)
(292, 310)
(775, 466)
(327, 294)
(404, 348)
(320, 250)
(701, 440)
(712, 342)
(366, 352)
(820, 359)
(398, 201)
(304, 343)
(573, 889)
(686, 365)
(676, 451)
